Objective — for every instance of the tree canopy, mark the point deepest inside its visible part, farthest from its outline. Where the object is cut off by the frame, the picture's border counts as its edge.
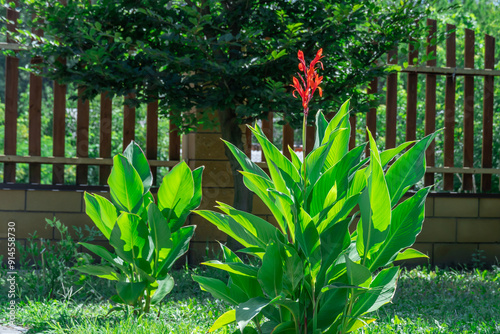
(236, 57)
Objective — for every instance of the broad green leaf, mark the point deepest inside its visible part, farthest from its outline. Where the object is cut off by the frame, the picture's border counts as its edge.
(272, 153)
(231, 227)
(338, 121)
(102, 212)
(159, 232)
(340, 146)
(408, 169)
(270, 274)
(158, 225)
(407, 219)
(357, 274)
(260, 186)
(308, 240)
(105, 254)
(359, 323)
(410, 253)
(315, 161)
(333, 240)
(130, 292)
(180, 241)
(293, 306)
(125, 185)
(297, 163)
(165, 285)
(287, 207)
(381, 292)
(136, 157)
(227, 318)
(245, 163)
(258, 227)
(99, 271)
(375, 207)
(235, 268)
(218, 289)
(248, 285)
(175, 193)
(321, 125)
(249, 309)
(293, 272)
(387, 155)
(195, 200)
(129, 236)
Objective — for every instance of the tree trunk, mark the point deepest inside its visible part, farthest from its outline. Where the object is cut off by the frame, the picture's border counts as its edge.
(231, 132)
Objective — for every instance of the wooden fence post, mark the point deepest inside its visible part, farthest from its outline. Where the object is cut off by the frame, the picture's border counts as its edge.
(430, 100)
(469, 109)
(487, 149)
(391, 102)
(449, 108)
(11, 92)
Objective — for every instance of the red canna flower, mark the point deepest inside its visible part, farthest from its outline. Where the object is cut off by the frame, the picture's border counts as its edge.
(310, 80)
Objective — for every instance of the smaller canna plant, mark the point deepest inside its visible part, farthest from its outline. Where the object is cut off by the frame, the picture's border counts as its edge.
(312, 274)
(147, 236)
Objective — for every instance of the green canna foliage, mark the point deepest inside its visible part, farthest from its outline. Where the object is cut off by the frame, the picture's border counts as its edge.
(312, 275)
(147, 236)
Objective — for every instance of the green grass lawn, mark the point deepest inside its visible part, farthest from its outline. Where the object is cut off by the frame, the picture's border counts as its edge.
(442, 301)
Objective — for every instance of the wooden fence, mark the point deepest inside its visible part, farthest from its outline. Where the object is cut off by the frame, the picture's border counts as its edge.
(430, 72)
(414, 74)
(58, 160)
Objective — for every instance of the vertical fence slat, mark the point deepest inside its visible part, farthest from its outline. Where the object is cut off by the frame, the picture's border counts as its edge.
(371, 116)
(174, 143)
(430, 101)
(287, 140)
(128, 122)
(152, 135)
(59, 130)
(449, 108)
(267, 128)
(487, 153)
(352, 137)
(469, 109)
(82, 136)
(310, 138)
(105, 136)
(35, 117)
(411, 97)
(11, 91)
(391, 103)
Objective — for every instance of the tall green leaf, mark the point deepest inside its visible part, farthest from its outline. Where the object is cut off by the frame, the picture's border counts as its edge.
(375, 207)
(175, 192)
(270, 274)
(102, 212)
(408, 169)
(125, 185)
(406, 224)
(129, 236)
(248, 310)
(138, 160)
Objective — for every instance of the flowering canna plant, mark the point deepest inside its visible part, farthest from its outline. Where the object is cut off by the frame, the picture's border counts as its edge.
(313, 275)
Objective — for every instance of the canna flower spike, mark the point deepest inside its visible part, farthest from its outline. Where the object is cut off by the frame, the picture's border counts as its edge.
(309, 81)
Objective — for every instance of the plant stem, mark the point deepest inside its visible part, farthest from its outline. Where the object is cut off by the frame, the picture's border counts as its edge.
(304, 144)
